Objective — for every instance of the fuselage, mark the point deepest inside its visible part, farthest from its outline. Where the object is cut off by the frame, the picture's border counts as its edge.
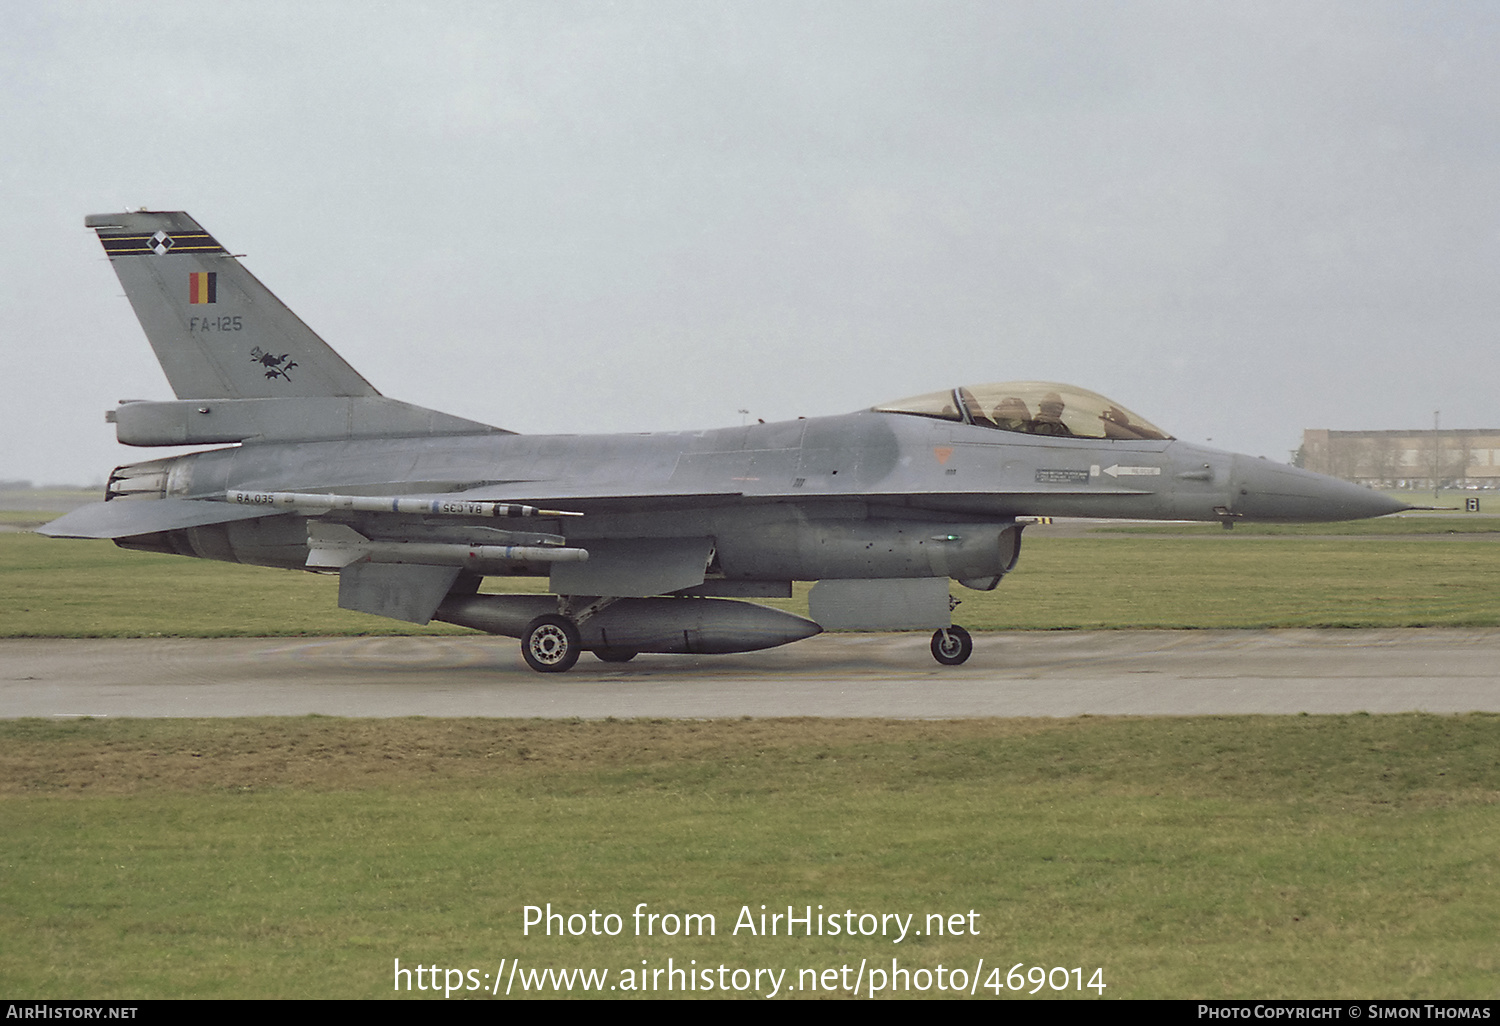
(796, 499)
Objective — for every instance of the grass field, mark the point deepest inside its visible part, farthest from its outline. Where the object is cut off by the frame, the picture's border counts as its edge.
(1345, 856)
(1349, 856)
(62, 588)
(1433, 524)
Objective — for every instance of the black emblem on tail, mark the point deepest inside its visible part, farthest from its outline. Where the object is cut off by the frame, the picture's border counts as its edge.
(276, 366)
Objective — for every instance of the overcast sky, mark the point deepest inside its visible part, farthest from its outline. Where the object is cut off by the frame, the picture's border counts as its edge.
(1238, 219)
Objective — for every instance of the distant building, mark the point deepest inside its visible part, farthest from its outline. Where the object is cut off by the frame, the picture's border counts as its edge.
(1406, 459)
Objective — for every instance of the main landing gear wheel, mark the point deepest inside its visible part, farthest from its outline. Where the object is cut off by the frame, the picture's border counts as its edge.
(615, 655)
(952, 646)
(550, 644)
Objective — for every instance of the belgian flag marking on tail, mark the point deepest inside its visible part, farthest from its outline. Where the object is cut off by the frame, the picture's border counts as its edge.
(160, 243)
(203, 287)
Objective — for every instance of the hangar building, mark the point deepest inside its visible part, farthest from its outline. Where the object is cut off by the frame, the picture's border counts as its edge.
(1406, 459)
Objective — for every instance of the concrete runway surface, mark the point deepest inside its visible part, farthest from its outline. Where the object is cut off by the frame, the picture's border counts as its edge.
(1063, 673)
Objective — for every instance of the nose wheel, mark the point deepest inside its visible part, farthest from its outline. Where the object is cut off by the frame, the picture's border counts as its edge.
(952, 646)
(550, 644)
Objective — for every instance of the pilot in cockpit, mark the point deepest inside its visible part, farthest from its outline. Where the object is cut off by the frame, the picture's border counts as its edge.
(1011, 414)
(1048, 419)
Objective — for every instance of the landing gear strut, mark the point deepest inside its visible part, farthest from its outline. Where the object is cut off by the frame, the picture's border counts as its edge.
(551, 644)
(951, 645)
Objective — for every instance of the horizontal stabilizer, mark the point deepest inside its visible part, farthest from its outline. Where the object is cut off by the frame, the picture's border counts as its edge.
(124, 518)
(309, 418)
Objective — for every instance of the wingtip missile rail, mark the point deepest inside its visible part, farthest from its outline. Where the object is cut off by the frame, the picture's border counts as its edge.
(312, 503)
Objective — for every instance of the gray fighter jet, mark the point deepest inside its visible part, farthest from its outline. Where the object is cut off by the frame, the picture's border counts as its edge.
(647, 540)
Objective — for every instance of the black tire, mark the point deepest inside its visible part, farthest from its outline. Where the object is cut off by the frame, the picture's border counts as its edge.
(550, 644)
(615, 655)
(952, 647)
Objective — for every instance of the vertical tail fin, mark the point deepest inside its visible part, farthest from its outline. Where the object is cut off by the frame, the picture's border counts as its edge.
(217, 331)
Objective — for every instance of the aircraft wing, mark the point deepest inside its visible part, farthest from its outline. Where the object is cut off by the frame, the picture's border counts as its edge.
(123, 518)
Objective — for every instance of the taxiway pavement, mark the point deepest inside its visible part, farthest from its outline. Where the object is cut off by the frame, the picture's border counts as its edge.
(1070, 673)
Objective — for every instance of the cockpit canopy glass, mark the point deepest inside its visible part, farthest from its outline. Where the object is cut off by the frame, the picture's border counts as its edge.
(1033, 408)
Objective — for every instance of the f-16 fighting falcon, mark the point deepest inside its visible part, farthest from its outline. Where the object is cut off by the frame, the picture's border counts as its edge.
(649, 542)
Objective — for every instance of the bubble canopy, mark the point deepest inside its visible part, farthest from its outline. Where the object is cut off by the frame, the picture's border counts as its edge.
(1032, 408)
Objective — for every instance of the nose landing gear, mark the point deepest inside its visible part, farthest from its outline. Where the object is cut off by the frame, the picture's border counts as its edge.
(952, 646)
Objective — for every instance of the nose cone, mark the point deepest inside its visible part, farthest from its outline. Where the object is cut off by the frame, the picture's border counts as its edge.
(1273, 491)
